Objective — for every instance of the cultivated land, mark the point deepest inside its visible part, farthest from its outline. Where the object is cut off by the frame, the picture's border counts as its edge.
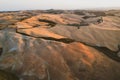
(60, 45)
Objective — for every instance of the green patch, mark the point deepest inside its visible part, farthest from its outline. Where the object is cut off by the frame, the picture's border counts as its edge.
(4, 75)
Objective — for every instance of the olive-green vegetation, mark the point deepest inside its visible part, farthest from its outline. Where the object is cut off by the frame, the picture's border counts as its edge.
(4, 75)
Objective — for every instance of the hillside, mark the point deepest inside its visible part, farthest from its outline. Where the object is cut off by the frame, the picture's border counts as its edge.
(60, 45)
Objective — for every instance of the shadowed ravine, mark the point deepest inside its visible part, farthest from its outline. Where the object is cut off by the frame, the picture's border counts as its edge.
(111, 54)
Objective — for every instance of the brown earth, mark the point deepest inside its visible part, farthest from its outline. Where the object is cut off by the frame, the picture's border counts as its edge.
(60, 45)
